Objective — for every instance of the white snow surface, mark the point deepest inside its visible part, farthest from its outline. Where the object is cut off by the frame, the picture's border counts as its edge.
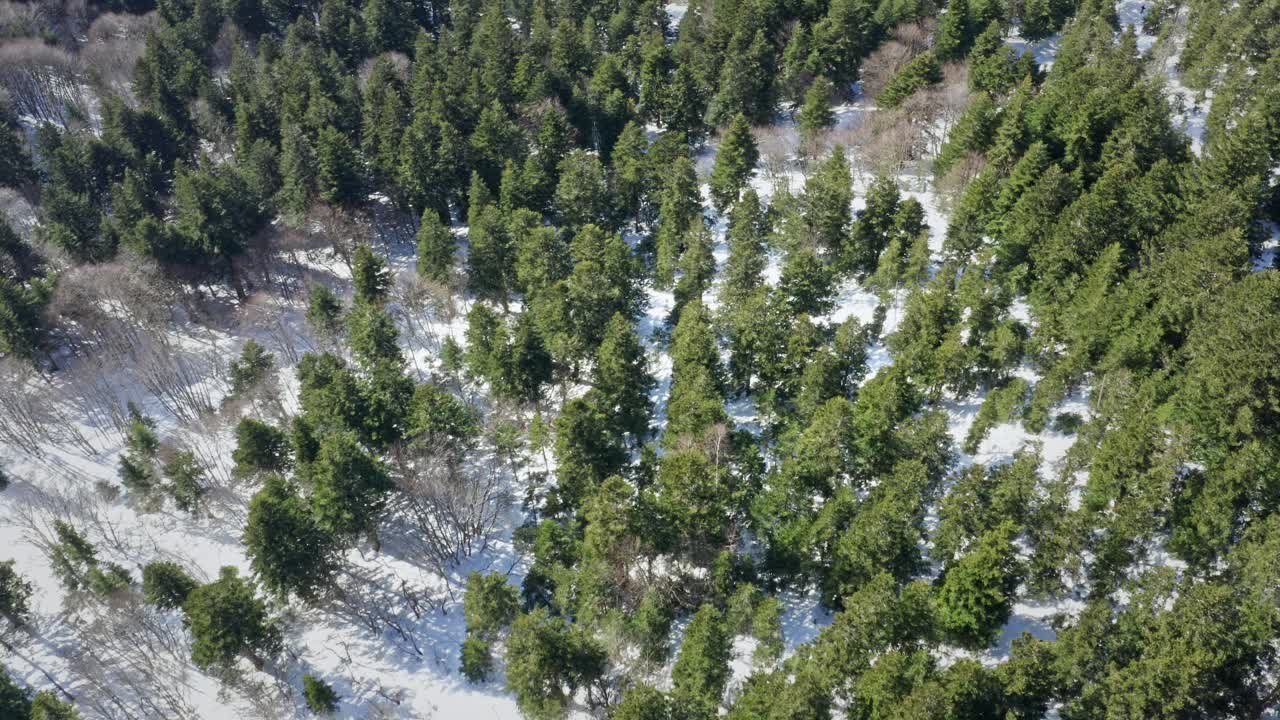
(415, 674)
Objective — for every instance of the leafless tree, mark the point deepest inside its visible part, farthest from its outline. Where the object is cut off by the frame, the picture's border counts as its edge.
(113, 45)
(452, 498)
(133, 662)
(43, 81)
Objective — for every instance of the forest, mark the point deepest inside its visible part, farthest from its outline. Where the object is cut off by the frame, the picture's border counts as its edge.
(623, 360)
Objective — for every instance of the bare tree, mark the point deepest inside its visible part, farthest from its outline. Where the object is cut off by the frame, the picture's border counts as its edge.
(43, 81)
(113, 45)
(452, 498)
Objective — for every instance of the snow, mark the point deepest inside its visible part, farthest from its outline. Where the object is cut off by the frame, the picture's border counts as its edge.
(414, 673)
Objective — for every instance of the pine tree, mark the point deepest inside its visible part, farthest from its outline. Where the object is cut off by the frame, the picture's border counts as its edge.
(436, 247)
(166, 585)
(843, 37)
(748, 229)
(746, 81)
(623, 379)
(828, 196)
(582, 195)
(319, 695)
(679, 211)
(735, 163)
(875, 226)
(370, 277)
(923, 70)
(815, 114)
(251, 368)
(324, 312)
(953, 38)
(490, 604)
(289, 552)
(15, 596)
(339, 176)
(350, 487)
(227, 620)
(702, 668)
(977, 591)
(547, 661)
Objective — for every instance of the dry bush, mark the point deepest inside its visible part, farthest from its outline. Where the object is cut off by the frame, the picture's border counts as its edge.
(880, 67)
(399, 61)
(778, 147)
(133, 661)
(951, 185)
(30, 417)
(42, 81)
(452, 498)
(22, 20)
(915, 35)
(113, 45)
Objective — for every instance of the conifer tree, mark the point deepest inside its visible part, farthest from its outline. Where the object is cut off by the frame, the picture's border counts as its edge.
(289, 552)
(350, 487)
(339, 178)
(436, 246)
(746, 81)
(370, 277)
(166, 585)
(828, 196)
(623, 379)
(679, 211)
(735, 163)
(702, 668)
(815, 114)
(953, 34)
(319, 695)
(977, 591)
(226, 621)
(922, 71)
(748, 228)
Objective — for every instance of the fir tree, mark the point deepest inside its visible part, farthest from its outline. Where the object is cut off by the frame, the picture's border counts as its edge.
(623, 379)
(735, 163)
(166, 585)
(436, 246)
(226, 621)
(319, 695)
(977, 591)
(289, 552)
(702, 668)
(370, 277)
(815, 114)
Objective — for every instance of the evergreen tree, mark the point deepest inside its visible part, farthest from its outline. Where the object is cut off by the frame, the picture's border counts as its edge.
(15, 596)
(815, 114)
(547, 661)
(226, 621)
(350, 487)
(339, 178)
(702, 668)
(977, 591)
(953, 35)
(324, 312)
(827, 201)
(623, 379)
(166, 584)
(680, 210)
(923, 70)
(370, 277)
(746, 81)
(490, 604)
(735, 163)
(253, 365)
(748, 228)
(319, 695)
(288, 550)
(582, 195)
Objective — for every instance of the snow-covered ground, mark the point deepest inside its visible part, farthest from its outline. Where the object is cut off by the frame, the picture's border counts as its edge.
(413, 672)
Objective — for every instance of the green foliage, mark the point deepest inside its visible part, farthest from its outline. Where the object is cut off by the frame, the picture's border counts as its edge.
(260, 448)
(370, 277)
(251, 368)
(490, 604)
(349, 486)
(15, 596)
(320, 697)
(436, 246)
(166, 584)
(702, 668)
(815, 113)
(547, 661)
(289, 550)
(476, 659)
(923, 70)
(735, 163)
(15, 701)
(977, 590)
(324, 312)
(46, 706)
(226, 621)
